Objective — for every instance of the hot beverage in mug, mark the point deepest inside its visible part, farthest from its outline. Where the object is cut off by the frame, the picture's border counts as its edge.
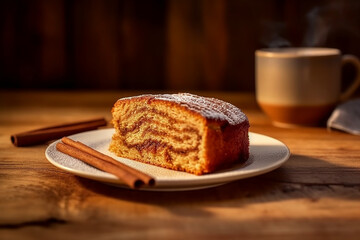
(301, 86)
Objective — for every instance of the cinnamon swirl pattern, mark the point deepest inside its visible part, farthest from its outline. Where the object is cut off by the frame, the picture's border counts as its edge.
(180, 132)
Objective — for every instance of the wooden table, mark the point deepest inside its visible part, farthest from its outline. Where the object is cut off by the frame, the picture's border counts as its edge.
(315, 195)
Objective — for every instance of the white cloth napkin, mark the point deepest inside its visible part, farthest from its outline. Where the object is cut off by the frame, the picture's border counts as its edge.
(346, 117)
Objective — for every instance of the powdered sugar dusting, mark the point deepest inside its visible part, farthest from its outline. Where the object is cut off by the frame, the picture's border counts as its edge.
(210, 108)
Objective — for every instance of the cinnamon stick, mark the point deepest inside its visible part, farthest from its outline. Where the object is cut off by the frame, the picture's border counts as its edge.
(130, 179)
(54, 132)
(148, 180)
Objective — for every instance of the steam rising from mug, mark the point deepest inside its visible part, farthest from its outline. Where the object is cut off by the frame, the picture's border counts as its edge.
(334, 20)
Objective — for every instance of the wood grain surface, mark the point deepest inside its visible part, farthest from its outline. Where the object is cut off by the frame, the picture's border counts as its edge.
(315, 195)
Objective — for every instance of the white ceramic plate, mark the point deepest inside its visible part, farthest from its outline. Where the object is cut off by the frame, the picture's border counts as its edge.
(266, 154)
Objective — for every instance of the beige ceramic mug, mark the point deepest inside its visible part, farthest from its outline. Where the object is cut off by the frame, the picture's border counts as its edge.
(301, 86)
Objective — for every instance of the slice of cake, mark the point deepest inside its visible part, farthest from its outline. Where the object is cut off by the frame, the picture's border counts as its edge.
(180, 131)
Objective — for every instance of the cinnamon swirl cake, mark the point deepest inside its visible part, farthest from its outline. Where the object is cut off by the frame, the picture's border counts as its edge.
(180, 131)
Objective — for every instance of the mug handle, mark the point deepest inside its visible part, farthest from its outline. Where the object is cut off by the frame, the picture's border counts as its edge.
(356, 82)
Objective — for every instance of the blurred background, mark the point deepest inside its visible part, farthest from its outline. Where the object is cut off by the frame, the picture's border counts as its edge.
(162, 45)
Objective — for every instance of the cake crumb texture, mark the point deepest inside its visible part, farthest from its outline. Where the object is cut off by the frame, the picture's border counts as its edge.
(182, 132)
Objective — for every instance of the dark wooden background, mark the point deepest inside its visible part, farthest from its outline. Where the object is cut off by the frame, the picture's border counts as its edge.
(176, 44)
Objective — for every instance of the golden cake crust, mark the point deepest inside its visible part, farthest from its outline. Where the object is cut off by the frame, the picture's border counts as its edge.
(180, 131)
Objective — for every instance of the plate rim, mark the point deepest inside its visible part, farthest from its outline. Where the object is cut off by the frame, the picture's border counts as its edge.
(167, 184)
